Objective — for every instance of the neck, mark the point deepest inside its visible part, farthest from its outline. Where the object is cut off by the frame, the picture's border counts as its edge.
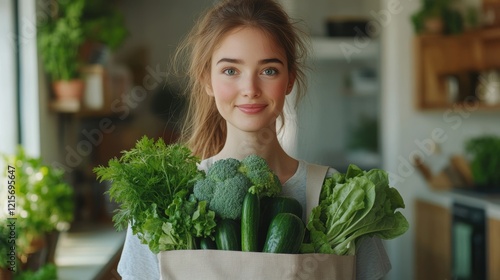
(240, 144)
(263, 143)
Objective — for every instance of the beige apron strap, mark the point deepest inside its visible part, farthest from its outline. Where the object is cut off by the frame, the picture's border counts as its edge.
(314, 181)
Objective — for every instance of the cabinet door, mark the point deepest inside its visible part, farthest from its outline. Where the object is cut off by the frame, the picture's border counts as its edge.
(493, 248)
(432, 241)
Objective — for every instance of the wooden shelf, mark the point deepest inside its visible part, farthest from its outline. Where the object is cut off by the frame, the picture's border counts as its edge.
(102, 89)
(78, 109)
(347, 49)
(464, 56)
(478, 106)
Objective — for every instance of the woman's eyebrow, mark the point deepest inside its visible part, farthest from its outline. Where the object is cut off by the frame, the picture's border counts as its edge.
(271, 60)
(239, 61)
(230, 60)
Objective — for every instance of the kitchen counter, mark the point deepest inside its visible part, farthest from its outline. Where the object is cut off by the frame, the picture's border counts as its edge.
(489, 202)
(87, 254)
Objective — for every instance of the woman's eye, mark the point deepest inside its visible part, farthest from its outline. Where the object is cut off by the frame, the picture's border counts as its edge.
(230, 72)
(270, 72)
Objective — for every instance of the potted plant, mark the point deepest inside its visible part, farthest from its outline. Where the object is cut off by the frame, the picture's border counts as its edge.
(484, 153)
(59, 38)
(68, 38)
(76, 24)
(437, 17)
(44, 205)
(104, 29)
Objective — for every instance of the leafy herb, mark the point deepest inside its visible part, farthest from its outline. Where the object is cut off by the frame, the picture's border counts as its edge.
(153, 183)
(353, 205)
(485, 160)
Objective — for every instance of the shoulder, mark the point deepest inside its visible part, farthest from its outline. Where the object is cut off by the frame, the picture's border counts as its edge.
(308, 165)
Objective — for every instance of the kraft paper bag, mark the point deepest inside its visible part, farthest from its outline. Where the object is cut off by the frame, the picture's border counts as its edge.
(234, 265)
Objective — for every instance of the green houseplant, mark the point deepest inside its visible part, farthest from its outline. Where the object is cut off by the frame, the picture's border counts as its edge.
(103, 24)
(437, 17)
(44, 205)
(485, 161)
(59, 40)
(64, 35)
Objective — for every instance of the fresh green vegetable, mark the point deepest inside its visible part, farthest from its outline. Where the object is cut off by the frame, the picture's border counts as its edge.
(264, 180)
(153, 184)
(485, 160)
(354, 205)
(207, 243)
(250, 219)
(285, 234)
(228, 180)
(227, 235)
(272, 206)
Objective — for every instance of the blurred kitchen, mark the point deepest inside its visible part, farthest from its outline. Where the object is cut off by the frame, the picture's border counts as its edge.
(412, 87)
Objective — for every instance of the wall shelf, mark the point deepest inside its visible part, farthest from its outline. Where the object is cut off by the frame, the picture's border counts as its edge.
(463, 56)
(347, 49)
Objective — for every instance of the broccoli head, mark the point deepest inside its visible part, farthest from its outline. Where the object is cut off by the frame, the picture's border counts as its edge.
(229, 195)
(227, 181)
(264, 180)
(223, 169)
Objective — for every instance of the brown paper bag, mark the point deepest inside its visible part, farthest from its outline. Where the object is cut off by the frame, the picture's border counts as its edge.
(235, 265)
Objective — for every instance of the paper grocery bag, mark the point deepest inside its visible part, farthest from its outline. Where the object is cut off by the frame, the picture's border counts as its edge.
(234, 265)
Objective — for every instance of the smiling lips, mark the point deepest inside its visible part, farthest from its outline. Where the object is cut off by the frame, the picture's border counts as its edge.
(251, 108)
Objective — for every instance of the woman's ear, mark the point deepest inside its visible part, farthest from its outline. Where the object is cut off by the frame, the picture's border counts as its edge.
(208, 85)
(208, 89)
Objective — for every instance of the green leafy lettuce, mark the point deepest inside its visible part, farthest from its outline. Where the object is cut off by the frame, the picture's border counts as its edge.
(353, 205)
(153, 184)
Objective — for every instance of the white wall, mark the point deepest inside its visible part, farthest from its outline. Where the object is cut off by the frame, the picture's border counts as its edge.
(404, 126)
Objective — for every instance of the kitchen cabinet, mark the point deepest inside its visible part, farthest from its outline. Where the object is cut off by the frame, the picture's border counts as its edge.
(433, 233)
(439, 59)
(432, 241)
(493, 248)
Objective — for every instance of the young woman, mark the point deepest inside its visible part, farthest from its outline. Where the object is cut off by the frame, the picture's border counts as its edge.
(245, 57)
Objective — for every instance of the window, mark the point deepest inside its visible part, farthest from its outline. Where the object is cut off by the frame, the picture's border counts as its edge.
(8, 104)
(19, 107)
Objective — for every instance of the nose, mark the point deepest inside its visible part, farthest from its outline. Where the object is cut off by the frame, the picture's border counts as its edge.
(250, 86)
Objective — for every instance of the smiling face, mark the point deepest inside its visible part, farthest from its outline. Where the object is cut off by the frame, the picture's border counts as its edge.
(249, 79)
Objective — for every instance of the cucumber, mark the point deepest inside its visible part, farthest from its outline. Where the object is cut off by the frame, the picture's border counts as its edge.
(285, 234)
(206, 243)
(272, 206)
(227, 235)
(250, 214)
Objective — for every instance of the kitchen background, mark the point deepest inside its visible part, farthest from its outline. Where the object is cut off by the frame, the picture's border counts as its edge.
(361, 87)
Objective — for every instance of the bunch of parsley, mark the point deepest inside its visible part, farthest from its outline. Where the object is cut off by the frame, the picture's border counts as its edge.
(153, 184)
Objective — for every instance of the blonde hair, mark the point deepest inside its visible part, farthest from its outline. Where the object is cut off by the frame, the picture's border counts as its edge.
(204, 129)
